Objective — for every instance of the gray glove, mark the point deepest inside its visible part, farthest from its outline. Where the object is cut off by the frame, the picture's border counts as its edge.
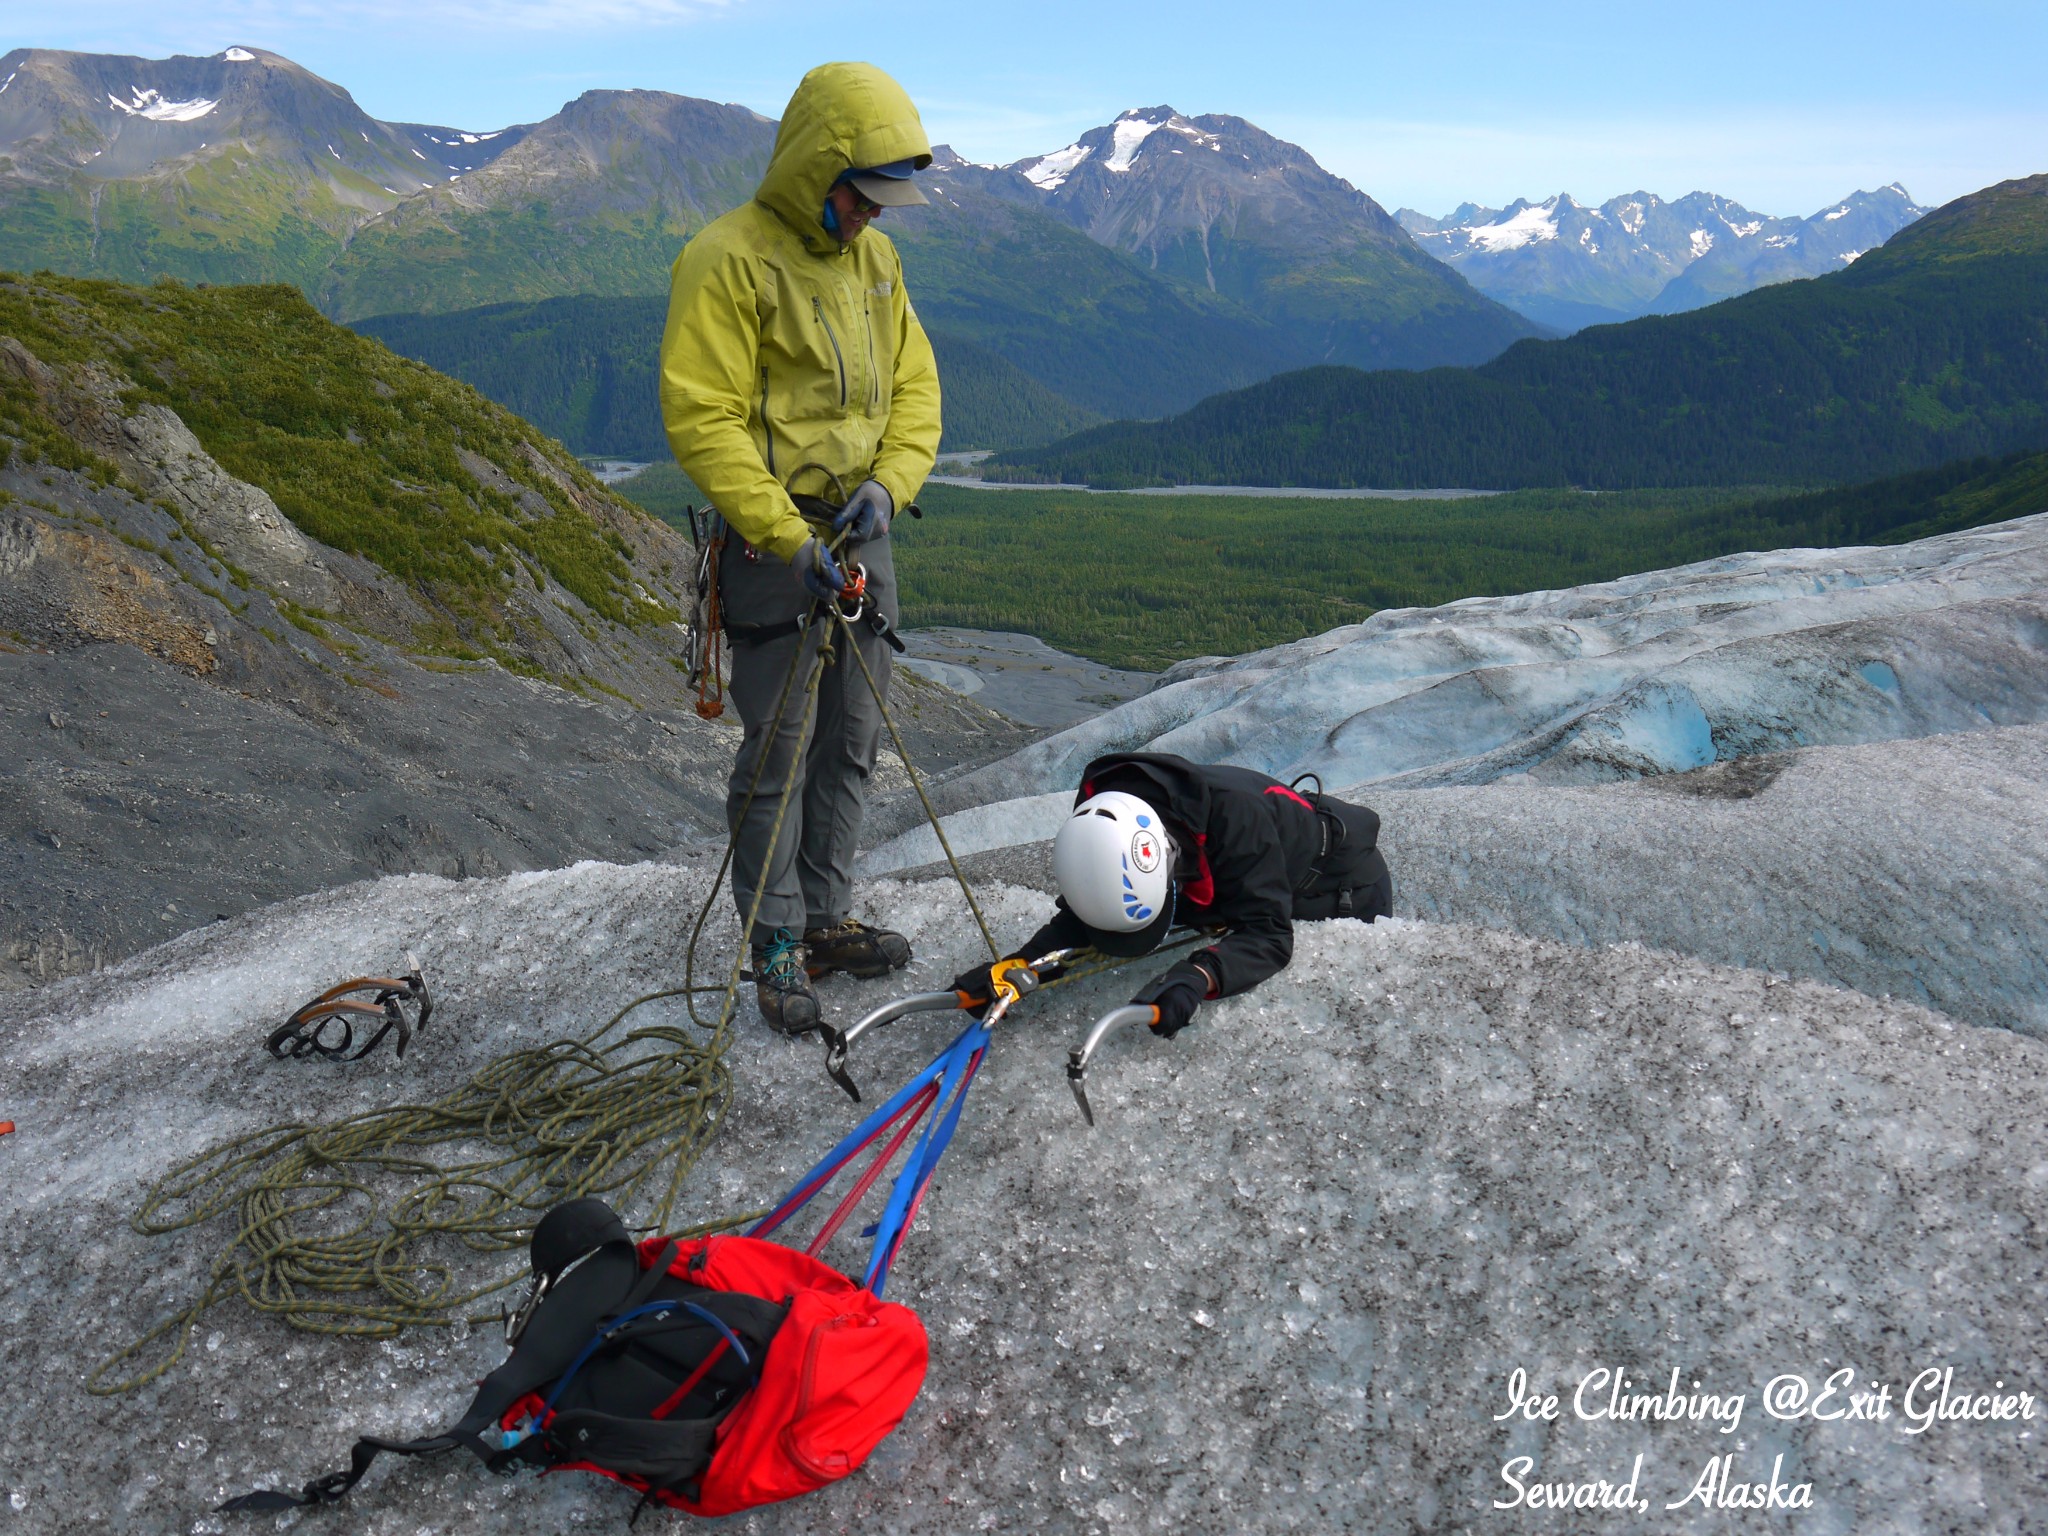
(816, 568)
(866, 513)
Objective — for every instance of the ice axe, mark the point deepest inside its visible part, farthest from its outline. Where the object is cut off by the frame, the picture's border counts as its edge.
(1078, 1058)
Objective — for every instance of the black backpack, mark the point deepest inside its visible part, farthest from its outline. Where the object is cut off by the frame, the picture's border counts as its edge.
(615, 1368)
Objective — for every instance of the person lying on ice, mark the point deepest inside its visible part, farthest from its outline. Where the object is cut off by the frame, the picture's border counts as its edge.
(1156, 841)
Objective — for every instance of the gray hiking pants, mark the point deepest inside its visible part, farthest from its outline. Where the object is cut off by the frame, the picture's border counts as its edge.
(808, 874)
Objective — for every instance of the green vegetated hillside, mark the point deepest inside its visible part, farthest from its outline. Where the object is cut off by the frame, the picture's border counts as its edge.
(1143, 581)
(367, 452)
(598, 199)
(1087, 322)
(1932, 348)
(584, 371)
(1966, 493)
(227, 219)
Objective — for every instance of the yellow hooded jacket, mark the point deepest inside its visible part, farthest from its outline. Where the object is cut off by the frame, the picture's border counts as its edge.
(785, 347)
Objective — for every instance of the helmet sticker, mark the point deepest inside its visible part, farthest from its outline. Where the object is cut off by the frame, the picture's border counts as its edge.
(1145, 851)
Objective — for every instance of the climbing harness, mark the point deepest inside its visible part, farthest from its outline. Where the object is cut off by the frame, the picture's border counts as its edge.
(306, 1032)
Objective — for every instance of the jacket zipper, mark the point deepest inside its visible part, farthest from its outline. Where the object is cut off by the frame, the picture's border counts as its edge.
(818, 309)
(874, 373)
(767, 431)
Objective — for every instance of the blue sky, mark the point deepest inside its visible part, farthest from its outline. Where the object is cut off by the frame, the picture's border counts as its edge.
(1782, 106)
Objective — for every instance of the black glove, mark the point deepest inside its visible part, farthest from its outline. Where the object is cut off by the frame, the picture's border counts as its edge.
(818, 571)
(866, 513)
(1176, 995)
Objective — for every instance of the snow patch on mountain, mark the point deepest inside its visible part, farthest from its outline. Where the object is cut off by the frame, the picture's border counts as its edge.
(1127, 138)
(1049, 171)
(1637, 254)
(1535, 221)
(151, 104)
(238, 56)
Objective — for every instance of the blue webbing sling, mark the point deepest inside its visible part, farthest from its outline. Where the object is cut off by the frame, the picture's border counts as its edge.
(951, 1072)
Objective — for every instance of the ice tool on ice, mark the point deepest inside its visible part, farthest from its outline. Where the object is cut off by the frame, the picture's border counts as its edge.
(1078, 1058)
(1014, 978)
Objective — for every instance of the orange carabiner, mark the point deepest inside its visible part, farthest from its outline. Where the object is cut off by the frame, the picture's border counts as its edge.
(854, 595)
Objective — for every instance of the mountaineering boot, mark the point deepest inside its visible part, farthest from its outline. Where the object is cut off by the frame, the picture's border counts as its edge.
(855, 948)
(782, 990)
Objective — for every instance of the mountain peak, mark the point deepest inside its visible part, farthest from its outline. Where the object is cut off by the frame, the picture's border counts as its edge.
(1569, 265)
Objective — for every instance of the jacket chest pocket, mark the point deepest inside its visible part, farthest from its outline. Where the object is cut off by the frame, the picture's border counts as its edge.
(805, 351)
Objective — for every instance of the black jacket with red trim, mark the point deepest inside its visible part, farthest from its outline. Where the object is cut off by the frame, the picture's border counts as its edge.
(1247, 844)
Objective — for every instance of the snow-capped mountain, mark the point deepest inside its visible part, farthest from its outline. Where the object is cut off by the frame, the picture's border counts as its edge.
(1219, 204)
(111, 118)
(1156, 183)
(1570, 265)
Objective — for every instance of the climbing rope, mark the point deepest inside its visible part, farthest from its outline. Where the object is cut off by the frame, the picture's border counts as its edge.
(604, 1114)
(931, 815)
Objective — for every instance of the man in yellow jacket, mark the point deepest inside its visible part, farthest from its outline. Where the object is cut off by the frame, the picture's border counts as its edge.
(800, 394)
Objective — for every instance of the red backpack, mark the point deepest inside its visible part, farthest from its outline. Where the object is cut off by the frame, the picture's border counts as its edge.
(710, 1374)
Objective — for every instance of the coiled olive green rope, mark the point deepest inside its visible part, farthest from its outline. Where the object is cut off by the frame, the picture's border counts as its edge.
(596, 1116)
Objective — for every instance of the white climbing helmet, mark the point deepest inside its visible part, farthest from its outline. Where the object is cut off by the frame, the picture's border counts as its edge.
(1113, 864)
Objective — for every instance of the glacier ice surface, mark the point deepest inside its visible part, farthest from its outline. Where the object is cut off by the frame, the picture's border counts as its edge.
(1281, 1286)
(1655, 673)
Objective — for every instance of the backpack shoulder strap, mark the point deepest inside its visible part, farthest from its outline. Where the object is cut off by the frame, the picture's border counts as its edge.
(562, 1325)
(578, 1303)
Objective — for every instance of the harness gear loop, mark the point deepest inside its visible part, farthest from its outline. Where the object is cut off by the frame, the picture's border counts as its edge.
(711, 670)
